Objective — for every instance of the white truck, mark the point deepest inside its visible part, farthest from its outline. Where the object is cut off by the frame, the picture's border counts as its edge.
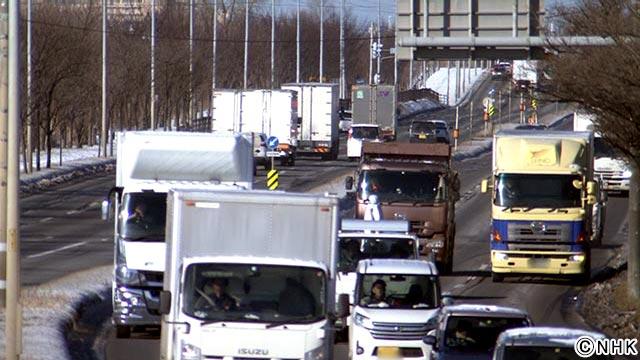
(260, 291)
(148, 165)
(271, 112)
(609, 165)
(318, 107)
(525, 74)
(396, 304)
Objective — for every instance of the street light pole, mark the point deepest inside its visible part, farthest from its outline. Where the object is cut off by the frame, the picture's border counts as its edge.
(321, 38)
(273, 41)
(105, 85)
(214, 51)
(343, 79)
(152, 101)
(191, 95)
(29, 144)
(246, 43)
(379, 41)
(298, 43)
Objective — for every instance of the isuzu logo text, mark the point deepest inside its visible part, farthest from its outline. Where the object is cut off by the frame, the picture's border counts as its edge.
(245, 351)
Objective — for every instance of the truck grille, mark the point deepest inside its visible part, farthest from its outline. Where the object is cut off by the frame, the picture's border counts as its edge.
(537, 232)
(611, 177)
(394, 331)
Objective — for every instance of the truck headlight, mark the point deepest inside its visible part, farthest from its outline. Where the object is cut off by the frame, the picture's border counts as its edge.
(434, 244)
(315, 354)
(626, 174)
(126, 276)
(576, 258)
(361, 320)
(190, 352)
(129, 299)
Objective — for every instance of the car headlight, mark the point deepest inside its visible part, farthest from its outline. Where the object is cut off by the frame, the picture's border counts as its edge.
(315, 354)
(626, 174)
(361, 320)
(435, 244)
(190, 352)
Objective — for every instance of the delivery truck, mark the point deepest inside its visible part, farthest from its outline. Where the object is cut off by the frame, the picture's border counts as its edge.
(260, 291)
(318, 118)
(148, 164)
(375, 104)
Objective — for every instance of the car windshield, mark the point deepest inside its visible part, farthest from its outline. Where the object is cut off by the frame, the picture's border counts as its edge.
(402, 186)
(258, 293)
(362, 132)
(417, 127)
(354, 249)
(478, 333)
(143, 216)
(542, 353)
(440, 125)
(602, 148)
(540, 191)
(398, 291)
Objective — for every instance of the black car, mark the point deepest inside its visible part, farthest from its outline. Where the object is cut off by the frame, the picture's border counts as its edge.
(423, 132)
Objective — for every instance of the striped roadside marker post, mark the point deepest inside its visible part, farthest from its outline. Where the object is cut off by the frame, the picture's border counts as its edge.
(272, 179)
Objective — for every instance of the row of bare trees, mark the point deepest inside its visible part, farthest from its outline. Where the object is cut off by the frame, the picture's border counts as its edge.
(67, 57)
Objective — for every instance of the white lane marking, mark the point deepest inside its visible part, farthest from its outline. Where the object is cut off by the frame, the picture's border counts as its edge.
(484, 267)
(104, 239)
(46, 219)
(49, 252)
(71, 212)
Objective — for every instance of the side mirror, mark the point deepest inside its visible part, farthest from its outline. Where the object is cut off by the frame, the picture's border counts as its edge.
(430, 340)
(165, 302)
(348, 183)
(447, 300)
(592, 188)
(342, 307)
(484, 186)
(106, 204)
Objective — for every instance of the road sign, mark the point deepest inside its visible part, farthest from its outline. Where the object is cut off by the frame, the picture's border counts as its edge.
(273, 153)
(272, 179)
(486, 101)
(534, 104)
(272, 142)
(491, 110)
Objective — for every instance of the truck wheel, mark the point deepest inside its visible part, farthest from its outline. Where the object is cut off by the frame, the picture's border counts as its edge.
(446, 268)
(291, 160)
(123, 331)
(497, 278)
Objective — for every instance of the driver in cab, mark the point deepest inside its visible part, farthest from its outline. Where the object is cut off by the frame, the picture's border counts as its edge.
(214, 297)
(377, 295)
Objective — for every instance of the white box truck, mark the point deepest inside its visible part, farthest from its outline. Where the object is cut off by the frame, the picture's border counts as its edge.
(525, 74)
(375, 104)
(609, 165)
(271, 112)
(148, 165)
(318, 106)
(243, 281)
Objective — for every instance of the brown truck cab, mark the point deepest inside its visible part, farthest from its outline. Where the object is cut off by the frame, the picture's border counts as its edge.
(412, 182)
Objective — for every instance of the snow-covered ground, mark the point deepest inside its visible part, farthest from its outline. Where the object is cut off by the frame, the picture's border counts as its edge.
(439, 80)
(84, 152)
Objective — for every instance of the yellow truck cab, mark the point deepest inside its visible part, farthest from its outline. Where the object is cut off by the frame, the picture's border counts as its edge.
(543, 192)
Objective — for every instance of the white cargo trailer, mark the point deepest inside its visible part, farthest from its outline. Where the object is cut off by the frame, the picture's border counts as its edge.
(318, 105)
(244, 281)
(148, 165)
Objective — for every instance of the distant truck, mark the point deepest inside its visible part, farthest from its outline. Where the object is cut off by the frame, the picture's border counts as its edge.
(413, 182)
(525, 74)
(608, 163)
(542, 204)
(148, 165)
(271, 112)
(375, 104)
(318, 117)
(259, 291)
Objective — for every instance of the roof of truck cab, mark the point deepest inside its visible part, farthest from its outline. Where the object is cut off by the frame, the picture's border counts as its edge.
(544, 336)
(397, 266)
(365, 125)
(483, 310)
(556, 134)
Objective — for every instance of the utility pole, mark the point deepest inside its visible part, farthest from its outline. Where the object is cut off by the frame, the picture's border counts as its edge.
(410, 74)
(321, 39)
(448, 82)
(29, 144)
(273, 41)
(153, 66)
(298, 43)
(371, 54)
(379, 62)
(246, 43)
(105, 84)
(343, 78)
(13, 313)
(214, 47)
(191, 96)
(4, 100)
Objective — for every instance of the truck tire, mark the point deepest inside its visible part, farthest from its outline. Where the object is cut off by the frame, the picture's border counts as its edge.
(584, 278)
(446, 268)
(291, 160)
(497, 277)
(123, 331)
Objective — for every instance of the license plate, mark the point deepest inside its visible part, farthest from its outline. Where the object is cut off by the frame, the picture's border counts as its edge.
(539, 263)
(388, 352)
(422, 136)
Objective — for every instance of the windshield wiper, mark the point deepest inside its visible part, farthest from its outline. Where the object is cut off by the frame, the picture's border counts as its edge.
(145, 238)
(235, 318)
(558, 210)
(289, 322)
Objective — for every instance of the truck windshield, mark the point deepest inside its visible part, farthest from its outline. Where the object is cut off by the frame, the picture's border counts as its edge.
(478, 334)
(537, 191)
(143, 216)
(541, 352)
(254, 293)
(354, 249)
(402, 186)
(398, 291)
(364, 132)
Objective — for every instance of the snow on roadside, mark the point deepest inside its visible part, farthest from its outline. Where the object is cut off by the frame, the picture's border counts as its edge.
(68, 154)
(438, 82)
(48, 306)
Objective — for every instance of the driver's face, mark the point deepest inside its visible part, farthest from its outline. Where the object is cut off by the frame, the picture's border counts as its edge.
(217, 289)
(378, 291)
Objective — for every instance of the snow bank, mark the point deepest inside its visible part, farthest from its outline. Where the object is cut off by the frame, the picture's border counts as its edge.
(438, 82)
(412, 107)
